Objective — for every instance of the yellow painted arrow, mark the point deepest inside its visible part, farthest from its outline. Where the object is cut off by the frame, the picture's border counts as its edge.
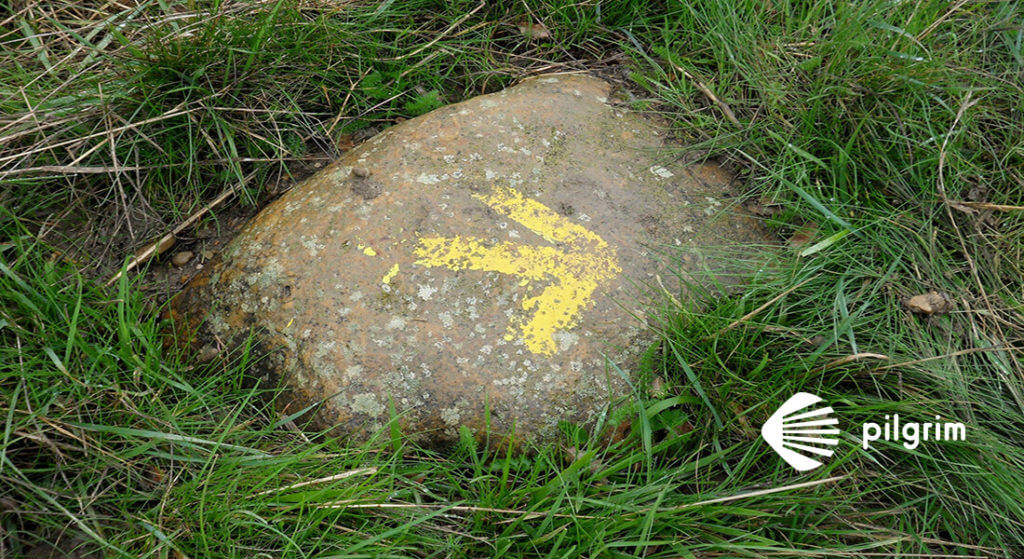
(577, 269)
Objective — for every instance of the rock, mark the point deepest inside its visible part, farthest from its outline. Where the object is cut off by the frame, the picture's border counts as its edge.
(803, 236)
(929, 303)
(499, 251)
(181, 258)
(534, 31)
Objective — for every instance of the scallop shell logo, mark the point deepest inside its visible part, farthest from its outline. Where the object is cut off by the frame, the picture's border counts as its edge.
(790, 431)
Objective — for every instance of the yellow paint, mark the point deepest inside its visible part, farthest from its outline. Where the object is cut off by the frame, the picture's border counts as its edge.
(367, 250)
(390, 275)
(575, 270)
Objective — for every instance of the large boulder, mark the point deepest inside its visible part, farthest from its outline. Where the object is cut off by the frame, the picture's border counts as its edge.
(483, 265)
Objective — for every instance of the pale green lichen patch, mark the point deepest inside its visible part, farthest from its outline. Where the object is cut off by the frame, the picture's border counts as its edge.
(368, 404)
(451, 416)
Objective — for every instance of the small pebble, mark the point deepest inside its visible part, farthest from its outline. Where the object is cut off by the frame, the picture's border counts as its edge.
(361, 172)
(929, 303)
(207, 353)
(181, 258)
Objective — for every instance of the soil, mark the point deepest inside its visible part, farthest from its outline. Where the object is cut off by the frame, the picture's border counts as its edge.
(98, 238)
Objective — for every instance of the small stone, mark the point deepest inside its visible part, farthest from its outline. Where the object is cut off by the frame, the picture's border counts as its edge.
(207, 353)
(534, 31)
(803, 236)
(929, 303)
(181, 258)
(360, 136)
(361, 172)
(657, 388)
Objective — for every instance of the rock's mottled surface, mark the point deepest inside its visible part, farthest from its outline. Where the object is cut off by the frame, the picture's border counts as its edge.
(488, 255)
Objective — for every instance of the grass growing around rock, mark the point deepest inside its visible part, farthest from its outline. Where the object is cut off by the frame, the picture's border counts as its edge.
(881, 140)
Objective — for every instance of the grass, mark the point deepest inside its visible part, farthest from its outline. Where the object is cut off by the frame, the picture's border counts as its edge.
(882, 138)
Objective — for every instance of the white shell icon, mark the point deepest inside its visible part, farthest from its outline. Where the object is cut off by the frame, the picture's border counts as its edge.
(788, 431)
